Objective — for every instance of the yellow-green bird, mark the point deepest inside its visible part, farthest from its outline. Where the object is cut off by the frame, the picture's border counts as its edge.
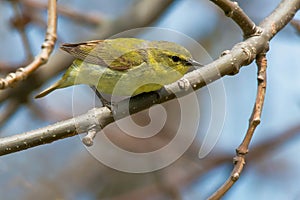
(124, 66)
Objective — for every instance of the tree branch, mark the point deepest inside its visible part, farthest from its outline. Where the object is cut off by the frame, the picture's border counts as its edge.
(254, 121)
(241, 54)
(232, 9)
(47, 47)
(271, 25)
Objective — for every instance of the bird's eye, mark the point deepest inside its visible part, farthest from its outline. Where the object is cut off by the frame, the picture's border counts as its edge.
(175, 58)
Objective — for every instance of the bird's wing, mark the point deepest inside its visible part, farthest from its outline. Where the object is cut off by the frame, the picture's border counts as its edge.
(117, 54)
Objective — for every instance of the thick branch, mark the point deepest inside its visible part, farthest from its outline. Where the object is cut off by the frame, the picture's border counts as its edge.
(232, 9)
(54, 132)
(280, 17)
(241, 54)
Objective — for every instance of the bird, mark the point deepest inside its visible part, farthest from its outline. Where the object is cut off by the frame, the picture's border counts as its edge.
(124, 66)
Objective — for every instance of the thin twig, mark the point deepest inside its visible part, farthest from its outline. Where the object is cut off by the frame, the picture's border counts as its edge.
(242, 150)
(232, 10)
(47, 47)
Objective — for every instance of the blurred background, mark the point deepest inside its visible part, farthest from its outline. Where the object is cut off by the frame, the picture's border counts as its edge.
(66, 170)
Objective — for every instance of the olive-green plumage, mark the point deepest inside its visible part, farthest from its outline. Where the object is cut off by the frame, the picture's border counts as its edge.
(124, 66)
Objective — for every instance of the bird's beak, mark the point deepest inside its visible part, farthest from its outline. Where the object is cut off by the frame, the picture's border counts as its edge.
(195, 63)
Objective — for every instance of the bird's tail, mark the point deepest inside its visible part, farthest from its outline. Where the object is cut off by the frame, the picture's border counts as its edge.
(48, 90)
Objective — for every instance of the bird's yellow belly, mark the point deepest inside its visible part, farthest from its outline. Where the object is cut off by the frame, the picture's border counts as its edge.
(128, 82)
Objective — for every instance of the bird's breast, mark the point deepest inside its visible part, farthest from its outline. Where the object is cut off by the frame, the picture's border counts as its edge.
(136, 80)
